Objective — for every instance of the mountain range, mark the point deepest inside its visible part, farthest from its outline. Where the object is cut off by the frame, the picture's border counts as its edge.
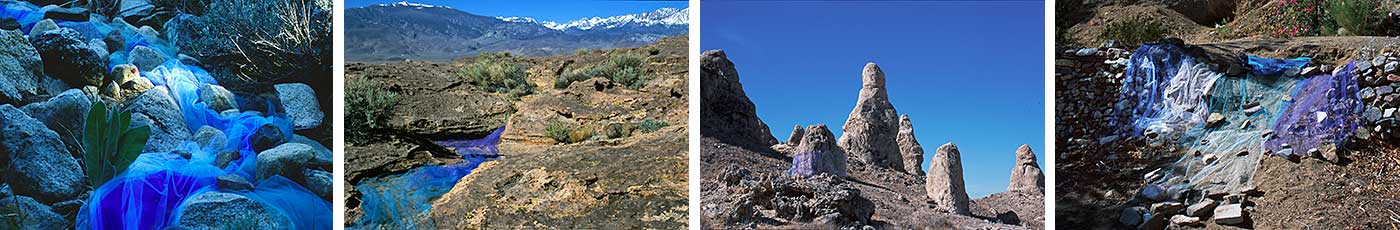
(405, 30)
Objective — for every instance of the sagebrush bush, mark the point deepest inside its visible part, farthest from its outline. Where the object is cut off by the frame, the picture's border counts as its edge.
(367, 108)
(558, 131)
(625, 69)
(1358, 17)
(564, 133)
(497, 72)
(650, 125)
(581, 51)
(1134, 31)
(263, 41)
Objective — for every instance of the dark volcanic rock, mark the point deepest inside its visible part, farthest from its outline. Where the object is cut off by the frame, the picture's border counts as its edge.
(818, 154)
(728, 113)
(68, 57)
(267, 137)
(21, 67)
(74, 14)
(869, 134)
(38, 163)
(909, 147)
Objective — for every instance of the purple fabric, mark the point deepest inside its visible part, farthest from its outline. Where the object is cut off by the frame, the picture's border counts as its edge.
(1324, 110)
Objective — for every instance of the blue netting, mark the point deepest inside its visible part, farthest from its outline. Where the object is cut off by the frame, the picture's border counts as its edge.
(1269, 66)
(1246, 105)
(1324, 110)
(149, 193)
(1163, 92)
(403, 201)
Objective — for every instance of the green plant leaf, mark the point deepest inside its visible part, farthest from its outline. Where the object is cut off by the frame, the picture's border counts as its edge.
(130, 147)
(93, 143)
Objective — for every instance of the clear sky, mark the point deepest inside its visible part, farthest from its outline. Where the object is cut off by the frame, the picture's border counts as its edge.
(967, 72)
(547, 10)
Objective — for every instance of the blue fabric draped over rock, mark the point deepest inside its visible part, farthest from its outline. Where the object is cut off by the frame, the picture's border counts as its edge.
(1162, 92)
(403, 201)
(1269, 66)
(1324, 110)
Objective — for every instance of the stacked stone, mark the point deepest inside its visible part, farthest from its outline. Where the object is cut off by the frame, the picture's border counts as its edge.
(1095, 74)
(1379, 79)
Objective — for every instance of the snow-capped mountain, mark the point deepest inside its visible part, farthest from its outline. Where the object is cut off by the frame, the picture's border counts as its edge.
(406, 30)
(663, 16)
(411, 4)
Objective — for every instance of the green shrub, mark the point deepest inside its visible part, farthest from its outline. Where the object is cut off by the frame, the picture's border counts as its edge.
(1134, 31)
(110, 144)
(1358, 17)
(566, 134)
(496, 72)
(625, 69)
(558, 131)
(649, 125)
(581, 51)
(367, 107)
(261, 41)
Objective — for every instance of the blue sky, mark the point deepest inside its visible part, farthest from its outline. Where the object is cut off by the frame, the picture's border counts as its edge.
(548, 10)
(967, 72)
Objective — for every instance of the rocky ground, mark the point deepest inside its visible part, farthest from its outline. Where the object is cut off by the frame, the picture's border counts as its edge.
(1101, 176)
(638, 180)
(749, 180)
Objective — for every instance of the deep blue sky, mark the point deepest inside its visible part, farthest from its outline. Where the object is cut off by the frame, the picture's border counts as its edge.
(547, 10)
(967, 72)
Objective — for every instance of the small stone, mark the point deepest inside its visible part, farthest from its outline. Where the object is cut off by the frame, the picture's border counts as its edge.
(210, 138)
(1086, 52)
(1363, 66)
(1310, 70)
(1229, 214)
(1168, 208)
(145, 58)
(1384, 90)
(41, 26)
(218, 98)
(1182, 220)
(1392, 78)
(1153, 192)
(234, 182)
(1368, 93)
(266, 137)
(1292, 72)
(226, 157)
(8, 23)
(1208, 158)
(1378, 61)
(299, 101)
(287, 160)
(1215, 119)
(1391, 66)
(1328, 151)
(1202, 209)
